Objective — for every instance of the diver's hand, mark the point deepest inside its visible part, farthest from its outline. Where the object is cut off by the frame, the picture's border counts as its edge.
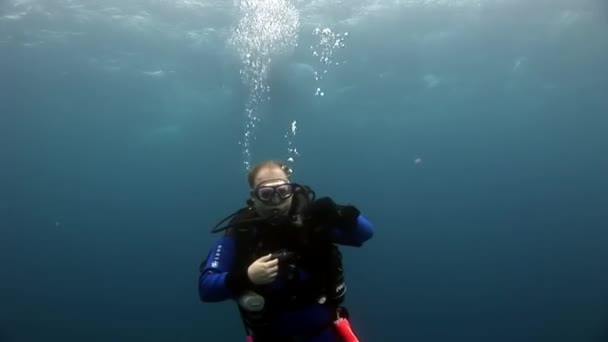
(325, 211)
(264, 270)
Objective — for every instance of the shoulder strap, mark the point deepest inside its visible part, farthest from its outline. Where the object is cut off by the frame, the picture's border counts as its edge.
(217, 228)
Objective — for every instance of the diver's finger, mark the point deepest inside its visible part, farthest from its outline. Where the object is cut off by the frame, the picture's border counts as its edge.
(273, 269)
(272, 262)
(265, 257)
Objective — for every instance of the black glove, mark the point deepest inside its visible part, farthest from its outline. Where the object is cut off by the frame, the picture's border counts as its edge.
(325, 211)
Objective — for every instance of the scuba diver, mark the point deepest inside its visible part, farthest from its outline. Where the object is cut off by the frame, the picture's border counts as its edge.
(278, 259)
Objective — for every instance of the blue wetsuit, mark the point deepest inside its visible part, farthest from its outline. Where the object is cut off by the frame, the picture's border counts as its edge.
(218, 282)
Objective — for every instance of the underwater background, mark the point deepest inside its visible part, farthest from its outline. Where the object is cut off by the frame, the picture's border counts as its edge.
(471, 133)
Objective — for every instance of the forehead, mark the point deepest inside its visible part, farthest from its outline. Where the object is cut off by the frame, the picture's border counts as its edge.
(268, 174)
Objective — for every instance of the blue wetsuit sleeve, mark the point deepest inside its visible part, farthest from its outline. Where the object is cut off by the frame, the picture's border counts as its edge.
(219, 279)
(353, 236)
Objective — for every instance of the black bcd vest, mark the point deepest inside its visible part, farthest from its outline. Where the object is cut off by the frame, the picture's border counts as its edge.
(312, 252)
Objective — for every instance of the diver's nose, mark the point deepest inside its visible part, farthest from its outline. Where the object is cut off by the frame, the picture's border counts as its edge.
(276, 199)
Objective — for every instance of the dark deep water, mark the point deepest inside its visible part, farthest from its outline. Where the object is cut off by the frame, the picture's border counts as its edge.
(111, 180)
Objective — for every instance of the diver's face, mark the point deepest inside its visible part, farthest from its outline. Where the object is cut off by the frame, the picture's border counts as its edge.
(274, 204)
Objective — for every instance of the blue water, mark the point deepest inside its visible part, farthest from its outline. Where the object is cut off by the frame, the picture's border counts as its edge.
(473, 134)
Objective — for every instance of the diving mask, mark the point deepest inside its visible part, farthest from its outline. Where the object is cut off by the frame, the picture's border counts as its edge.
(266, 193)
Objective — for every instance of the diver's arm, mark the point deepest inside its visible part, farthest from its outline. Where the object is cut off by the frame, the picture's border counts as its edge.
(218, 279)
(352, 234)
